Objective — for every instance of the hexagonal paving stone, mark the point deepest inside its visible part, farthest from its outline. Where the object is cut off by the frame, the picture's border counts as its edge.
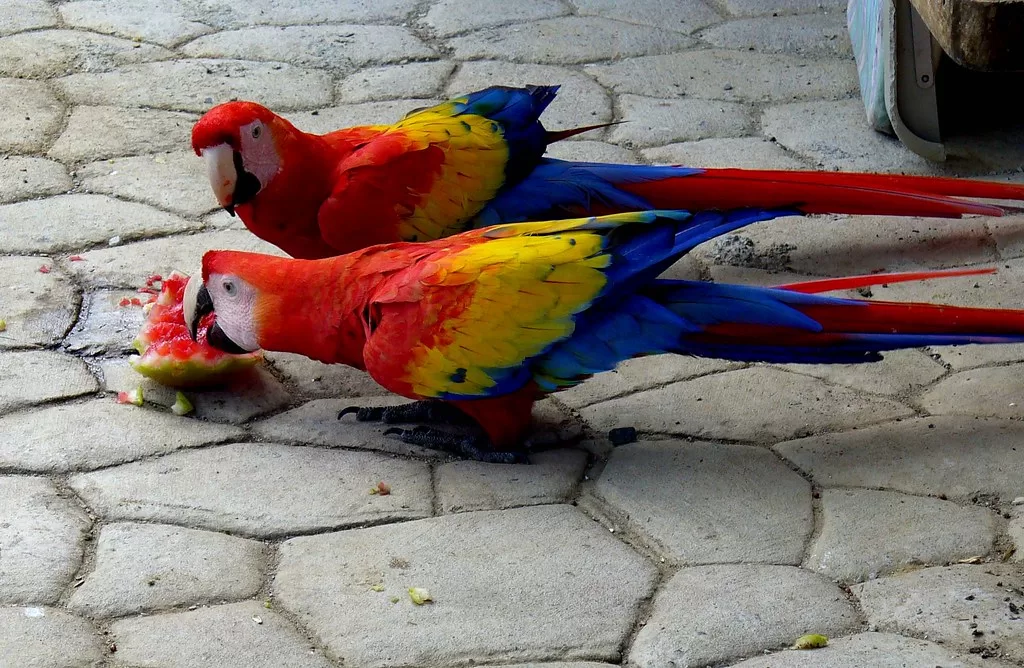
(141, 567)
(899, 373)
(709, 406)
(850, 245)
(878, 650)
(586, 150)
(758, 8)
(570, 39)
(743, 152)
(834, 136)
(640, 374)
(671, 492)
(550, 477)
(104, 326)
(959, 457)
(42, 225)
(965, 606)
(525, 584)
(449, 17)
(311, 12)
(174, 181)
(48, 638)
(580, 100)
(251, 394)
(316, 379)
(238, 635)
(718, 74)
(29, 114)
(25, 15)
(991, 392)
(95, 132)
(347, 115)
(966, 357)
(130, 264)
(97, 433)
(395, 82)
(695, 613)
(50, 53)
(655, 121)
(161, 21)
(37, 308)
(866, 533)
(40, 540)
(811, 34)
(682, 16)
(22, 178)
(331, 47)
(35, 376)
(198, 84)
(260, 489)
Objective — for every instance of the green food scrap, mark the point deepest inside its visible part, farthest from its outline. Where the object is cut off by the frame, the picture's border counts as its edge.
(811, 641)
(395, 599)
(3, 325)
(377, 587)
(133, 397)
(419, 595)
(182, 406)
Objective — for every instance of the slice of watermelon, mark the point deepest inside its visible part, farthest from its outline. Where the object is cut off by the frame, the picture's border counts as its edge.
(167, 353)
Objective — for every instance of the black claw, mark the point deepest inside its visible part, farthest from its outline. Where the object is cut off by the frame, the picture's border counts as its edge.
(364, 413)
(394, 431)
(434, 412)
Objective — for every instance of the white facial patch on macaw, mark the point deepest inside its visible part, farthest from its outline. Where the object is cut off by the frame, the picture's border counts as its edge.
(259, 155)
(234, 302)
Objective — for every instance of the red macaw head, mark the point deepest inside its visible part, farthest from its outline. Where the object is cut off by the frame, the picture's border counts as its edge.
(242, 289)
(240, 142)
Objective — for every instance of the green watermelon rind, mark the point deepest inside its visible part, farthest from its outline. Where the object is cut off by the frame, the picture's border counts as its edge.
(192, 371)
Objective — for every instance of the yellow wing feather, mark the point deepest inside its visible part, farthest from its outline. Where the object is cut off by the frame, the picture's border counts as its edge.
(472, 173)
(520, 297)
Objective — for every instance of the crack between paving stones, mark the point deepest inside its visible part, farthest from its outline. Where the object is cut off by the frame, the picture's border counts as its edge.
(655, 386)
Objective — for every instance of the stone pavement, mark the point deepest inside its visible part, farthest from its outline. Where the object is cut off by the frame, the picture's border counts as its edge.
(875, 505)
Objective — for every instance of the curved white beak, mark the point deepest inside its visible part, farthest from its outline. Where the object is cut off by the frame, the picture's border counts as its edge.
(220, 168)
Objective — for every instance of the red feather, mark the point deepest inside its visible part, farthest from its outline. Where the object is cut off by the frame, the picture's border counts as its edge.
(826, 192)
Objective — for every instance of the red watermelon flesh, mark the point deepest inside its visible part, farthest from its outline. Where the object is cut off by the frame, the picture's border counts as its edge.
(167, 353)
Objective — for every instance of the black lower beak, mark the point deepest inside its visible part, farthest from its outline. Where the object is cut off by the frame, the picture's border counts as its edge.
(247, 185)
(216, 337)
(204, 305)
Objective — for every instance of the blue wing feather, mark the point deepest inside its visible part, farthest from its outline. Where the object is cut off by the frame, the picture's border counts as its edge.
(557, 189)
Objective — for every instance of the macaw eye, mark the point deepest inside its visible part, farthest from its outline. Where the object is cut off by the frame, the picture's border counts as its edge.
(229, 288)
(256, 131)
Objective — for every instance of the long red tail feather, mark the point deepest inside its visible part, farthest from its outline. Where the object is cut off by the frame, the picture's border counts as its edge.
(827, 192)
(867, 280)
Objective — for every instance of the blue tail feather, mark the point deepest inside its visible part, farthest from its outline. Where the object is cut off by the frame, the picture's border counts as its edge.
(558, 189)
(666, 316)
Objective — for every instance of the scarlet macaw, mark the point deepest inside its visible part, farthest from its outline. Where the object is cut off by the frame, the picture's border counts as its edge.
(478, 160)
(489, 320)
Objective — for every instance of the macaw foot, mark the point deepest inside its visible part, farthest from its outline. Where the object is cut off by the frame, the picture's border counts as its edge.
(433, 412)
(467, 446)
